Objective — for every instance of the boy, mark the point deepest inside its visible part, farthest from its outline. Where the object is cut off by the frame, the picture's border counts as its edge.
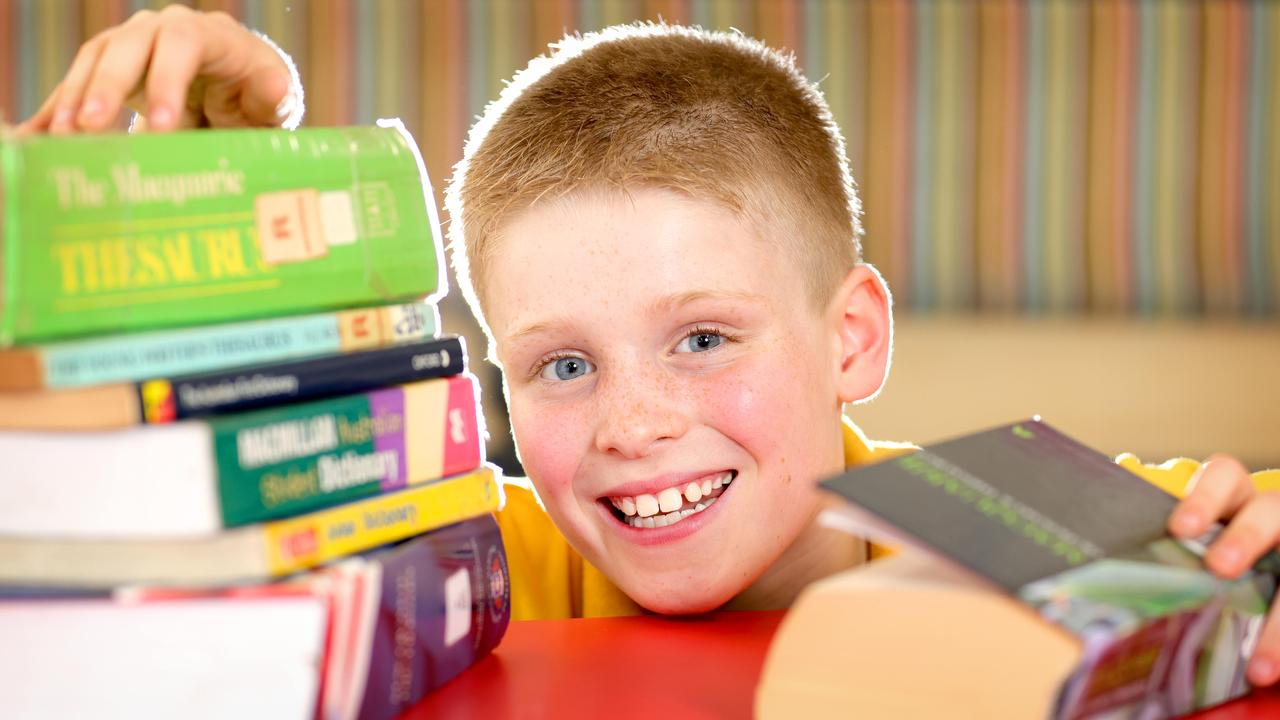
(658, 229)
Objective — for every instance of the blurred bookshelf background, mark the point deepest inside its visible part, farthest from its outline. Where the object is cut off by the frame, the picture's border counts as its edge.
(1075, 203)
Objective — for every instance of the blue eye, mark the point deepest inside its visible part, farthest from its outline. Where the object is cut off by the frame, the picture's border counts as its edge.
(700, 342)
(566, 368)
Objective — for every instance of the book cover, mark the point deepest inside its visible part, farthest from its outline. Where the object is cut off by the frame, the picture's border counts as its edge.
(365, 637)
(138, 653)
(158, 401)
(169, 353)
(115, 233)
(195, 477)
(444, 603)
(1080, 541)
(252, 553)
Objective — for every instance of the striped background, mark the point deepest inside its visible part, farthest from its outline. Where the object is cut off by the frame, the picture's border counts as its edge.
(1057, 156)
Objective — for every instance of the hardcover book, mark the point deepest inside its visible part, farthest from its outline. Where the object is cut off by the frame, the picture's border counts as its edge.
(157, 401)
(363, 638)
(115, 233)
(253, 553)
(196, 477)
(168, 353)
(1044, 565)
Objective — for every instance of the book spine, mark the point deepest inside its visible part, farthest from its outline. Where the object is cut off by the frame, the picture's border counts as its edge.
(123, 233)
(167, 353)
(282, 461)
(164, 400)
(306, 541)
(445, 603)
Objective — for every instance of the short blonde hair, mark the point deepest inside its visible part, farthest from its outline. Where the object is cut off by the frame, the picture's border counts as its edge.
(714, 115)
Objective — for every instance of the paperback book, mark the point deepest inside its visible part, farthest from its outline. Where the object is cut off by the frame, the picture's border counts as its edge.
(167, 353)
(359, 640)
(194, 478)
(253, 553)
(156, 401)
(1043, 557)
(118, 233)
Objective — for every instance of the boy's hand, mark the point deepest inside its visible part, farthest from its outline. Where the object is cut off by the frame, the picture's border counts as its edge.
(1223, 489)
(177, 68)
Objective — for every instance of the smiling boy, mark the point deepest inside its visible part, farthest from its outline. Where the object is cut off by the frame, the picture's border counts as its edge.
(658, 227)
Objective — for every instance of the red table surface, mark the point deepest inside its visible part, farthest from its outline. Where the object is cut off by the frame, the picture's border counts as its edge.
(650, 667)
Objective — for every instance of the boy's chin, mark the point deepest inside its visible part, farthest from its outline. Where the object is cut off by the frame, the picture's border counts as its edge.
(679, 601)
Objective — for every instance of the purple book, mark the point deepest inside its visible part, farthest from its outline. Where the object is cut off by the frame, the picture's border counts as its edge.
(430, 607)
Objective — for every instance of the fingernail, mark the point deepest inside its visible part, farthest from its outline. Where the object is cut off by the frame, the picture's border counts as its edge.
(92, 107)
(160, 117)
(285, 108)
(1188, 522)
(1263, 670)
(62, 116)
(1228, 558)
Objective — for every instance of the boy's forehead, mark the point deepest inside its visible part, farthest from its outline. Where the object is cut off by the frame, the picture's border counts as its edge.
(648, 251)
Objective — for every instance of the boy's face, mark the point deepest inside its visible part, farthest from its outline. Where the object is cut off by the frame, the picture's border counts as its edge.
(657, 344)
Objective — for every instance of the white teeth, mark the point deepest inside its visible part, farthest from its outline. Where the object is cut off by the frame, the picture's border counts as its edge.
(669, 500)
(669, 506)
(646, 505)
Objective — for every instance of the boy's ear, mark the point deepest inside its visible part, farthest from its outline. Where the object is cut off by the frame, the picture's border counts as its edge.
(860, 314)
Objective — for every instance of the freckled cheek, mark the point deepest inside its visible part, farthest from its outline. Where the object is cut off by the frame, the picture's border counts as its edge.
(748, 407)
(550, 443)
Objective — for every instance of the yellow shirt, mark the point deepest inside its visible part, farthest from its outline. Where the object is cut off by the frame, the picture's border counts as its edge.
(550, 580)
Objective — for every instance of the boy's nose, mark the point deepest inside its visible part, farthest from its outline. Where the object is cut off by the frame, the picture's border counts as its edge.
(633, 422)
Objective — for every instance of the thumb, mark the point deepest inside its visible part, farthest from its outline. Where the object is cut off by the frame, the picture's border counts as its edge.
(271, 96)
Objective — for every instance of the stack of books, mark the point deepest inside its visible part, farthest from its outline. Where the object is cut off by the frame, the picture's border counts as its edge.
(221, 380)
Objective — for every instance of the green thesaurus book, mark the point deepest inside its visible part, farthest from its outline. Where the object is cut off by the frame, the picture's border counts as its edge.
(118, 233)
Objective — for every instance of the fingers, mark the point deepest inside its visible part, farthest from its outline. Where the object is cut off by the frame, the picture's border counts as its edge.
(174, 64)
(266, 99)
(1254, 531)
(71, 89)
(1264, 666)
(1221, 486)
(120, 68)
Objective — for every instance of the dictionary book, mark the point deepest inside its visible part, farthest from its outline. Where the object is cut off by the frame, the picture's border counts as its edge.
(1040, 578)
(165, 400)
(106, 234)
(195, 477)
(184, 351)
(360, 639)
(251, 553)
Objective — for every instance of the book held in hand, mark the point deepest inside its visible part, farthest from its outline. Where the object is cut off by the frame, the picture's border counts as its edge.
(1039, 581)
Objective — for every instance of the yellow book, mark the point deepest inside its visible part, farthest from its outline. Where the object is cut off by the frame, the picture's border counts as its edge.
(255, 552)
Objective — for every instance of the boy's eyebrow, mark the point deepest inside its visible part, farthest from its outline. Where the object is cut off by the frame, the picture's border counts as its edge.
(663, 304)
(678, 300)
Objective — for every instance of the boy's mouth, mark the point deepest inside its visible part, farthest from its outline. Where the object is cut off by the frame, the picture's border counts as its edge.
(671, 505)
